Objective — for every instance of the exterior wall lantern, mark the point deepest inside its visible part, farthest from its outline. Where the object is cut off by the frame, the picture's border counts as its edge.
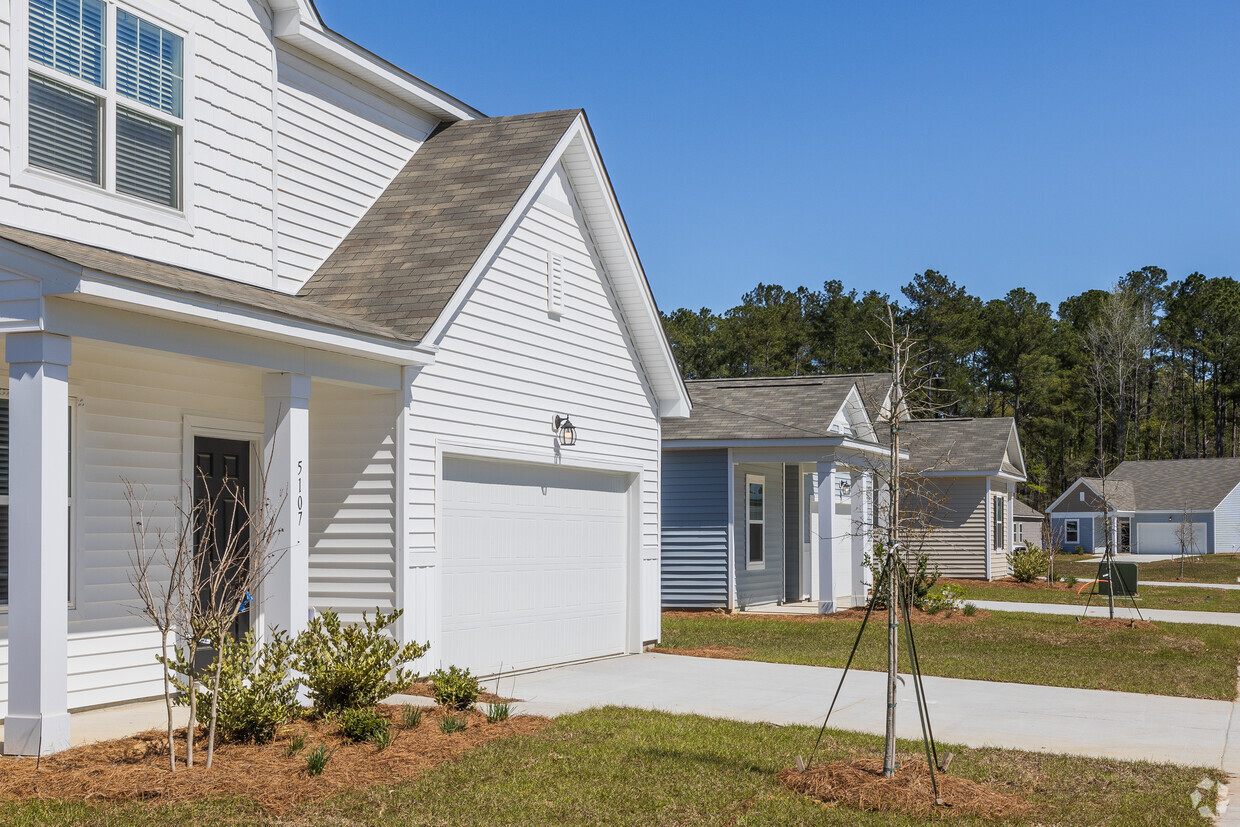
(843, 488)
(564, 430)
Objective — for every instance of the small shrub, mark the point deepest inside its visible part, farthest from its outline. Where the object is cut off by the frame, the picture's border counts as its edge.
(450, 723)
(348, 666)
(1028, 564)
(498, 712)
(361, 724)
(923, 573)
(455, 688)
(381, 738)
(945, 599)
(256, 692)
(970, 609)
(1078, 550)
(410, 716)
(1071, 580)
(317, 760)
(295, 745)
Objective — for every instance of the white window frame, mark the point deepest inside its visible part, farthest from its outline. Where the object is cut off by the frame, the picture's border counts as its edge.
(750, 563)
(1075, 529)
(67, 188)
(998, 521)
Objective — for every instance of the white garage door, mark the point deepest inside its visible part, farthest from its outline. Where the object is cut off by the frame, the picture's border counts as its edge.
(1163, 538)
(535, 564)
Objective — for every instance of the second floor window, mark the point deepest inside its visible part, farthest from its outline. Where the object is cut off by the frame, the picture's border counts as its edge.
(105, 98)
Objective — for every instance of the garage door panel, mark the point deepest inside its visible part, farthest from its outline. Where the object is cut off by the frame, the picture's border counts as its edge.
(1164, 538)
(535, 564)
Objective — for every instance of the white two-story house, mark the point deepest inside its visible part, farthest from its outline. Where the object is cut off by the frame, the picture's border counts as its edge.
(230, 238)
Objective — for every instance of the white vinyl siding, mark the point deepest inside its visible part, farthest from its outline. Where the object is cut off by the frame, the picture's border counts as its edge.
(959, 542)
(339, 146)
(505, 368)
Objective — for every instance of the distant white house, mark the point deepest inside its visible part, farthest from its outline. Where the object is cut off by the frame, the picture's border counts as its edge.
(1154, 507)
(229, 235)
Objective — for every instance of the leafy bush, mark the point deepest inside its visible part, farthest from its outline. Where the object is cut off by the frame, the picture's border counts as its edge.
(1078, 550)
(921, 576)
(455, 688)
(361, 724)
(945, 599)
(410, 716)
(348, 666)
(449, 724)
(317, 760)
(256, 694)
(969, 609)
(1071, 580)
(1029, 564)
(498, 712)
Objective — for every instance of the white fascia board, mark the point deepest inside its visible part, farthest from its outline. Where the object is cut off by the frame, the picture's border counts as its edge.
(853, 445)
(1020, 451)
(289, 25)
(669, 387)
(213, 313)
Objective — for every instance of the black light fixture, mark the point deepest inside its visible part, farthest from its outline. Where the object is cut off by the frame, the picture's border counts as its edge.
(564, 429)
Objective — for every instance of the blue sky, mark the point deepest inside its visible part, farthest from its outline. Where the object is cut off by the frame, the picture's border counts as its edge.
(1053, 146)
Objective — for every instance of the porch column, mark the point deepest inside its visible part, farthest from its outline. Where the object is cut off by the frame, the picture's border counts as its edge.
(38, 713)
(863, 534)
(286, 455)
(824, 555)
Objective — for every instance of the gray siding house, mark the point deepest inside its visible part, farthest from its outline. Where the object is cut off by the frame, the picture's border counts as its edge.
(768, 493)
(1144, 505)
(966, 471)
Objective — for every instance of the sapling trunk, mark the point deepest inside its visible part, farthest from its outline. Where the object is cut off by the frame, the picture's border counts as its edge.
(163, 653)
(893, 626)
(215, 697)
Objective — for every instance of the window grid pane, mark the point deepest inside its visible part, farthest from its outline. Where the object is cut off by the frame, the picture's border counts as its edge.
(68, 35)
(66, 130)
(147, 158)
(148, 63)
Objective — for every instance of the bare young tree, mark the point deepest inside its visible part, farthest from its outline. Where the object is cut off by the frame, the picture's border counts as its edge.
(1116, 341)
(160, 570)
(1052, 543)
(1186, 533)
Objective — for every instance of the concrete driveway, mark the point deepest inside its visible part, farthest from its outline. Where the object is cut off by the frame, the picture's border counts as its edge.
(974, 713)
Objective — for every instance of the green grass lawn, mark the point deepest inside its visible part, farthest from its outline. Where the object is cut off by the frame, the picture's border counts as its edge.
(1187, 660)
(1193, 599)
(1208, 568)
(630, 767)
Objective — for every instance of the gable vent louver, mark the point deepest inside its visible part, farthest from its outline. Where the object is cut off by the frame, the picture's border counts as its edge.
(555, 283)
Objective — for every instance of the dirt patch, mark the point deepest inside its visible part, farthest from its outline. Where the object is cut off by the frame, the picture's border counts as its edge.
(860, 784)
(1117, 623)
(136, 769)
(423, 689)
(720, 652)
(855, 615)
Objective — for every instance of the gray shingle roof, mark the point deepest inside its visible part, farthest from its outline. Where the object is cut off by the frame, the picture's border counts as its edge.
(406, 258)
(797, 407)
(962, 446)
(193, 282)
(1171, 484)
(1024, 511)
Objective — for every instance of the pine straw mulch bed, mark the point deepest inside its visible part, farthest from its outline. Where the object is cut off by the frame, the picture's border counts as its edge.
(1008, 584)
(919, 617)
(136, 768)
(859, 783)
(424, 689)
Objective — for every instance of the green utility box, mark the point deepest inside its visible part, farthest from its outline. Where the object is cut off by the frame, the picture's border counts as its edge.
(1125, 575)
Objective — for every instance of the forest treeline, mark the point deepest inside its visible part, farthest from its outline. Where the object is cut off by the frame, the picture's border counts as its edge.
(1147, 370)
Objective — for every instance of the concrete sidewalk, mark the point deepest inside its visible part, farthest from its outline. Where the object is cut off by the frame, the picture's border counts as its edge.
(1183, 585)
(1123, 608)
(976, 713)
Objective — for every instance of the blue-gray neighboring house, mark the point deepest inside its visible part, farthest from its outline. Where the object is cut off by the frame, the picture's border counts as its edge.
(768, 492)
(1153, 507)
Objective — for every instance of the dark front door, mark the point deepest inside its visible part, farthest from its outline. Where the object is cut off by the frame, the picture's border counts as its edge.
(1125, 536)
(221, 478)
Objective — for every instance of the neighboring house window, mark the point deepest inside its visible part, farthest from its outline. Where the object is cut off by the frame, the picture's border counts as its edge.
(755, 521)
(1071, 532)
(75, 115)
(4, 502)
(999, 524)
(1019, 531)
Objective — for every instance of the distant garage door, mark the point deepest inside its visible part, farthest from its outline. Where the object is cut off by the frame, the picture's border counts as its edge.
(1163, 538)
(535, 564)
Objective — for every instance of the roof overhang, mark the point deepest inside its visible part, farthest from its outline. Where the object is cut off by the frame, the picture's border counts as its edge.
(579, 154)
(839, 443)
(56, 277)
(297, 23)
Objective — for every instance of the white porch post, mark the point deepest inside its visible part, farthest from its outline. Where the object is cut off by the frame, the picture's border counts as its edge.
(863, 534)
(824, 557)
(38, 713)
(286, 457)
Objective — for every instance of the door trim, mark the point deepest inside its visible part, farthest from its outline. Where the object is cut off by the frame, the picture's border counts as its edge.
(578, 461)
